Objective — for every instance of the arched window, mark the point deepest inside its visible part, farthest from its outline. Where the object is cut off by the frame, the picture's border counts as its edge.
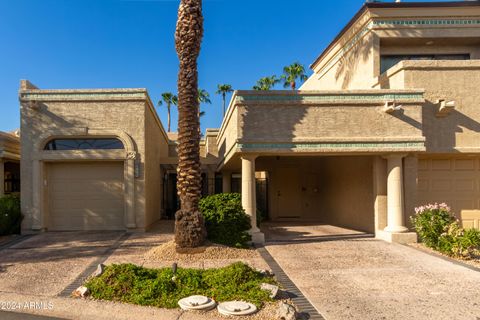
(85, 144)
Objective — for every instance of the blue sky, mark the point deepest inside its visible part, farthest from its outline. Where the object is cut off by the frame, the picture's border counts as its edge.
(60, 44)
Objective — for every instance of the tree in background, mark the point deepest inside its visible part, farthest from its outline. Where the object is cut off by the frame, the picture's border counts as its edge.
(266, 83)
(169, 99)
(203, 97)
(223, 89)
(292, 73)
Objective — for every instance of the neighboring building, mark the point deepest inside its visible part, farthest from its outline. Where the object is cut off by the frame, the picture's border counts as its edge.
(9, 163)
(388, 120)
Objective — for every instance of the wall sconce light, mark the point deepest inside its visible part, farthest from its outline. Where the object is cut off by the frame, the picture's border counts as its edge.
(391, 106)
(445, 107)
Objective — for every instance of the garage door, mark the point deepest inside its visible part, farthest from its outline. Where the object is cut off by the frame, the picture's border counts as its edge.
(86, 196)
(455, 181)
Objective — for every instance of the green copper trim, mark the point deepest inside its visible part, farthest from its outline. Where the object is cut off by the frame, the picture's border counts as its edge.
(333, 97)
(352, 145)
(45, 96)
(403, 22)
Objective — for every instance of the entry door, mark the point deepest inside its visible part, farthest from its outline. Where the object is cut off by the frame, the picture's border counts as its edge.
(288, 193)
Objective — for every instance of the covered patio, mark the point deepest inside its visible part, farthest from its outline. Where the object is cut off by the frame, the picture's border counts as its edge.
(322, 166)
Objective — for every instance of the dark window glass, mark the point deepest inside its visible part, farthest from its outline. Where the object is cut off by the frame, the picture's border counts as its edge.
(84, 144)
(388, 61)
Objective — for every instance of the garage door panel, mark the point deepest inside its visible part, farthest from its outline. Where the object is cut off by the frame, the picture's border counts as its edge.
(86, 196)
(465, 164)
(441, 164)
(455, 181)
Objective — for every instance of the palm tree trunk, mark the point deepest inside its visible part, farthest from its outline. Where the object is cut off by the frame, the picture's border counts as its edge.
(223, 96)
(293, 85)
(168, 115)
(189, 224)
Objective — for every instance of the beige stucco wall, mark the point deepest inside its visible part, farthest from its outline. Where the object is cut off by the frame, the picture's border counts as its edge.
(353, 60)
(333, 190)
(58, 118)
(156, 147)
(284, 123)
(451, 80)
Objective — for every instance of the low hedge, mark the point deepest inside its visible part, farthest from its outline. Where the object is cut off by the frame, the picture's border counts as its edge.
(225, 220)
(10, 215)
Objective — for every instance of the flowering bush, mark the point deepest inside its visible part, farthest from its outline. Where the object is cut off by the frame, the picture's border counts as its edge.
(438, 229)
(430, 221)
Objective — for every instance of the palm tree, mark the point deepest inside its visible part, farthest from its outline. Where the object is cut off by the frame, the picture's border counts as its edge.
(190, 229)
(169, 99)
(223, 89)
(291, 73)
(266, 83)
(203, 97)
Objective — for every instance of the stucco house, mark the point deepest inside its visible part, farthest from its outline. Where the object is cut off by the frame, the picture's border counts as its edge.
(9, 162)
(388, 120)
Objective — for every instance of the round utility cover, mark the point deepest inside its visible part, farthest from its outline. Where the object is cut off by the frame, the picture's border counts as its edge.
(196, 303)
(236, 308)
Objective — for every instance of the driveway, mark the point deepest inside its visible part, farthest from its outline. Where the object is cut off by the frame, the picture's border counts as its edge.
(347, 275)
(46, 263)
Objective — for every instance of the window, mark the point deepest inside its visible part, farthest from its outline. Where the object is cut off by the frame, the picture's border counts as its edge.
(85, 144)
(388, 61)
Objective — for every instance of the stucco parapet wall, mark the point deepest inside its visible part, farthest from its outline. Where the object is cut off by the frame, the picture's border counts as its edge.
(428, 65)
(84, 95)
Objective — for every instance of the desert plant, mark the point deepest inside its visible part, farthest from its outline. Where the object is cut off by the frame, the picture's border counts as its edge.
(226, 221)
(10, 215)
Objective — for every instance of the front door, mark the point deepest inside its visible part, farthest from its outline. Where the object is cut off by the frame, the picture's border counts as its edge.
(288, 193)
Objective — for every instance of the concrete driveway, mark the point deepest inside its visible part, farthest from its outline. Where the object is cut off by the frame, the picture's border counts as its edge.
(348, 276)
(47, 263)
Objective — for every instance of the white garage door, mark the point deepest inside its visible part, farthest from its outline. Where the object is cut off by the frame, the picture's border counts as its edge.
(86, 196)
(455, 181)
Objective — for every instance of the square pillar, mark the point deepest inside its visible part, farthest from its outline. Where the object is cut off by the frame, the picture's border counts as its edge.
(2, 177)
(249, 201)
(226, 182)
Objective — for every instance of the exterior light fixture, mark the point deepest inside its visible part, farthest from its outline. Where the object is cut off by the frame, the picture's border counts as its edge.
(445, 107)
(391, 106)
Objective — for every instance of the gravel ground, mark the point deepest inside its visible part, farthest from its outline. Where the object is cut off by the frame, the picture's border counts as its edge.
(372, 279)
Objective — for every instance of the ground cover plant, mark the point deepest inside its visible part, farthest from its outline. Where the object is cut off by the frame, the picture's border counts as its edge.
(10, 215)
(158, 287)
(225, 220)
(438, 229)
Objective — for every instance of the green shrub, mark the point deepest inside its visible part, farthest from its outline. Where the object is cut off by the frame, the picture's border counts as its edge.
(154, 287)
(439, 230)
(10, 215)
(226, 221)
(430, 221)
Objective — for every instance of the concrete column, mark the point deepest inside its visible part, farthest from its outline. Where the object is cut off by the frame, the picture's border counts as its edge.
(2, 177)
(37, 195)
(226, 182)
(395, 220)
(249, 201)
(129, 181)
